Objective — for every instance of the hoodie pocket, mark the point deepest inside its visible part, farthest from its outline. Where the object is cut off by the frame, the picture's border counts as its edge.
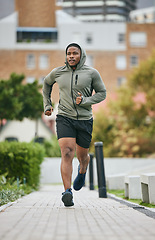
(63, 108)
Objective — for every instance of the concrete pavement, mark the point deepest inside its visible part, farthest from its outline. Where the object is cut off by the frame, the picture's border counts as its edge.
(42, 216)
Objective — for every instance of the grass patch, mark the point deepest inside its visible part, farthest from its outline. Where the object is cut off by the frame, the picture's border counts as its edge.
(121, 194)
(118, 193)
(147, 205)
(11, 189)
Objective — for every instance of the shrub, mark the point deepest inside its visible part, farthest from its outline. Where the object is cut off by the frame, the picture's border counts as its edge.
(22, 160)
(103, 131)
(10, 190)
(52, 148)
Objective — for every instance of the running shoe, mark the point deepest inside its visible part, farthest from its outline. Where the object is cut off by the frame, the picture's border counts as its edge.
(79, 180)
(67, 198)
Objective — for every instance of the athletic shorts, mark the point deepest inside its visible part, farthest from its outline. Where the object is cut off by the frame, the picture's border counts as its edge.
(79, 129)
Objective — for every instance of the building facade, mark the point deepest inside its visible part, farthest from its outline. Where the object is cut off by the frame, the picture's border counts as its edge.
(113, 48)
(101, 10)
(146, 15)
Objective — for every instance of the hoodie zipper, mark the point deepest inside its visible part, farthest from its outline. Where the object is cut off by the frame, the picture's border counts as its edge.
(72, 94)
(76, 78)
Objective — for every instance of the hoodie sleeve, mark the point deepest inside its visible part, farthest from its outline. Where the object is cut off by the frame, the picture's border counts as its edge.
(100, 90)
(49, 81)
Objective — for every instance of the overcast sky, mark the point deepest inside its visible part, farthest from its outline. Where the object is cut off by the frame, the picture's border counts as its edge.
(145, 3)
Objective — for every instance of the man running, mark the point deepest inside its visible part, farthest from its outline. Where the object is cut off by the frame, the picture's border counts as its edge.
(74, 121)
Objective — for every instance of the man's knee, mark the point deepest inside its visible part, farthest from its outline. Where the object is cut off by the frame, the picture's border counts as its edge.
(67, 152)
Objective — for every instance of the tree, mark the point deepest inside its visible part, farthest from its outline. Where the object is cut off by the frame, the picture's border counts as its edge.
(18, 100)
(133, 119)
(32, 101)
(143, 80)
(10, 90)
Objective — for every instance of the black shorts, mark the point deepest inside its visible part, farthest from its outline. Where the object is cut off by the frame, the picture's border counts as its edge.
(79, 129)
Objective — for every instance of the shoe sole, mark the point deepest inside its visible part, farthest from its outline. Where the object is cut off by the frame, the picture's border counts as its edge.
(67, 200)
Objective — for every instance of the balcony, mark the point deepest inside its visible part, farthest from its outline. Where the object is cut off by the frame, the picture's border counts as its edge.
(36, 34)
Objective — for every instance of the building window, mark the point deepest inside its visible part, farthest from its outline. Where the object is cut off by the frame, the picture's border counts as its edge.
(30, 79)
(59, 2)
(30, 34)
(121, 38)
(121, 81)
(41, 80)
(133, 61)
(30, 61)
(43, 61)
(121, 62)
(89, 38)
(115, 3)
(89, 60)
(138, 39)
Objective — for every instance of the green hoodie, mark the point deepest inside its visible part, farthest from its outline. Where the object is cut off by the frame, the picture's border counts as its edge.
(83, 79)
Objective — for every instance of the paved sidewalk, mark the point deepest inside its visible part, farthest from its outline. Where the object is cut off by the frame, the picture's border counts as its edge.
(42, 216)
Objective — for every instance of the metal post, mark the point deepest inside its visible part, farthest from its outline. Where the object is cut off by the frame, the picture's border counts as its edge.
(91, 175)
(36, 130)
(24, 181)
(17, 182)
(100, 169)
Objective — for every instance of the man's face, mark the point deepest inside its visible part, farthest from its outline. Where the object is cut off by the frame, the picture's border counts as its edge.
(73, 56)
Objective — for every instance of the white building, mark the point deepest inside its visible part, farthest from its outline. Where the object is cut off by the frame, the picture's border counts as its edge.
(25, 131)
(92, 36)
(144, 15)
(100, 10)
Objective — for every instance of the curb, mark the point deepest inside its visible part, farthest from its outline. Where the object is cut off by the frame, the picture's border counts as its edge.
(3, 207)
(145, 210)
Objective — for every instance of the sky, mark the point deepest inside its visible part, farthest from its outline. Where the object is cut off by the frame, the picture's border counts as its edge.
(145, 3)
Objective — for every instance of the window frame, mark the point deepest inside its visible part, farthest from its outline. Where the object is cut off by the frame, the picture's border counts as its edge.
(137, 61)
(121, 38)
(117, 64)
(30, 64)
(121, 80)
(138, 43)
(42, 64)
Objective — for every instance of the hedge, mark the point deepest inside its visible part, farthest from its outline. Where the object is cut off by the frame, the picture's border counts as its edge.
(52, 148)
(22, 160)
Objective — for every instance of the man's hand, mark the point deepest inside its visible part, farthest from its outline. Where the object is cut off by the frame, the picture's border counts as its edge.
(49, 112)
(79, 98)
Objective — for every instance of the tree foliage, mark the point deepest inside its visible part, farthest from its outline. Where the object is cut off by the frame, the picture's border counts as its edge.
(128, 129)
(10, 90)
(143, 80)
(18, 100)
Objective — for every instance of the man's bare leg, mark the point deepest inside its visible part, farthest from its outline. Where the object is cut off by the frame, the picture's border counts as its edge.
(83, 157)
(67, 146)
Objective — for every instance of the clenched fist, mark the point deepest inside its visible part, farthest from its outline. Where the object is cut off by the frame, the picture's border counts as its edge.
(79, 98)
(49, 112)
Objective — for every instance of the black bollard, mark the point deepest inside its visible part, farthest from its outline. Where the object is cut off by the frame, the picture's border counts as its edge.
(100, 169)
(91, 174)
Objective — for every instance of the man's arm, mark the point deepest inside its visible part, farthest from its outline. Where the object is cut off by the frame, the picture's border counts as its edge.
(47, 89)
(100, 91)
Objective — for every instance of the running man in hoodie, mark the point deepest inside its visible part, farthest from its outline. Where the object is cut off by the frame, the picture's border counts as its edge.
(74, 121)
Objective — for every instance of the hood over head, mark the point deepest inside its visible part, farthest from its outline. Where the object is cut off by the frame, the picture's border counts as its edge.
(82, 58)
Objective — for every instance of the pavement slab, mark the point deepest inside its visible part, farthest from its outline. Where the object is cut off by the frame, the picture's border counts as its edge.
(41, 215)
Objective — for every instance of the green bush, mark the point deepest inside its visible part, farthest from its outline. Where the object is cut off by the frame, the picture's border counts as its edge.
(120, 139)
(22, 160)
(10, 190)
(52, 148)
(103, 131)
